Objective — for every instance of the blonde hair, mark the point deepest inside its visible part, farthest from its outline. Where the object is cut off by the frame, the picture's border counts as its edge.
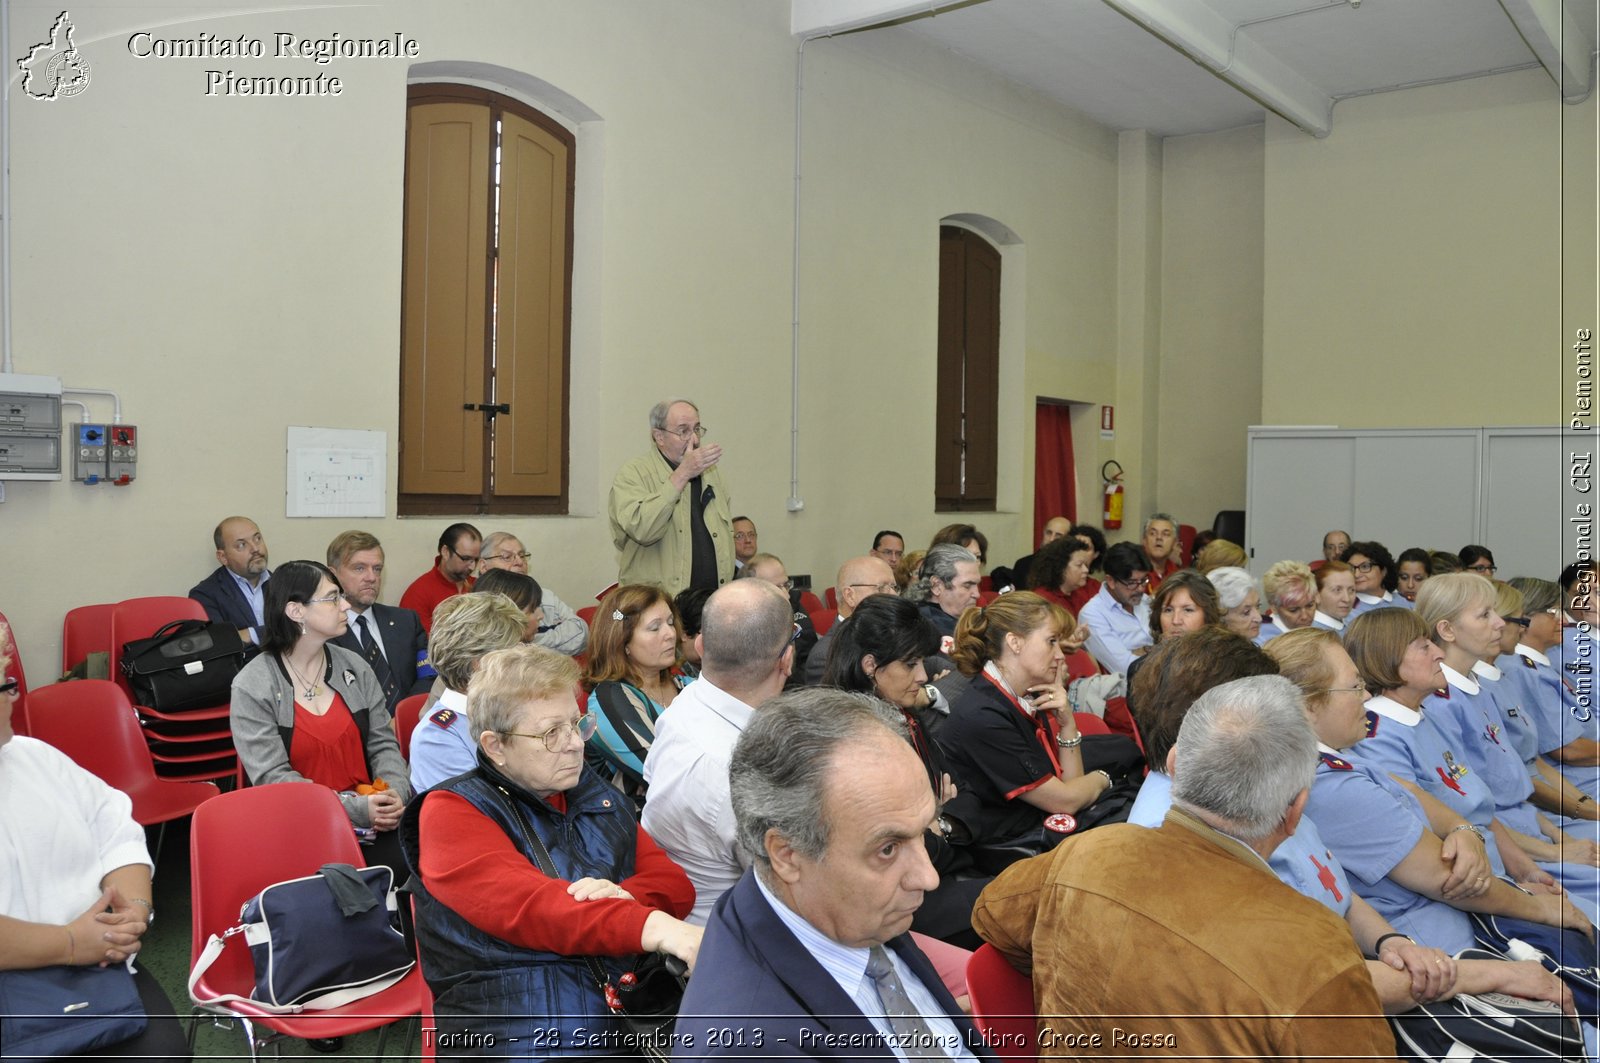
(1302, 656)
(467, 626)
(1289, 584)
(981, 632)
(1448, 596)
(1219, 553)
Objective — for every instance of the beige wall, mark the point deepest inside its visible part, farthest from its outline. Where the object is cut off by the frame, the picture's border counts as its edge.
(1414, 257)
(231, 267)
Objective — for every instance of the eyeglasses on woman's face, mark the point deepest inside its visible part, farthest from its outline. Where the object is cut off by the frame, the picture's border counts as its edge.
(555, 739)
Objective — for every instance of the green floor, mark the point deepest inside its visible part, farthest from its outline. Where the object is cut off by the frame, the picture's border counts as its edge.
(166, 955)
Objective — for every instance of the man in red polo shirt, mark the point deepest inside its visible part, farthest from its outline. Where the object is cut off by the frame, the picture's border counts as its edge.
(450, 575)
(1160, 544)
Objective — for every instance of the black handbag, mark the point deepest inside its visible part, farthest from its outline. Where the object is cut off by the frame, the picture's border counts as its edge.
(317, 942)
(65, 1011)
(188, 664)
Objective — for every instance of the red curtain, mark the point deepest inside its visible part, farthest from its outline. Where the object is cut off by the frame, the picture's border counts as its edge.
(1055, 490)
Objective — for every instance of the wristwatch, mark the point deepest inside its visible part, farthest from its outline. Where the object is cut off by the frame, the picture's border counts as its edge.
(944, 825)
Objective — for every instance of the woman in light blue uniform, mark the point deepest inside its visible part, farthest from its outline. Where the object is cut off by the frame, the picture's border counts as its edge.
(1291, 590)
(1548, 697)
(1336, 596)
(1377, 578)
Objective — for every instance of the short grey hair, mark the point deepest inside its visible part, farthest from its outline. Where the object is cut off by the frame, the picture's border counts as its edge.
(1152, 518)
(939, 564)
(491, 542)
(467, 626)
(744, 628)
(779, 772)
(658, 412)
(1232, 585)
(1245, 750)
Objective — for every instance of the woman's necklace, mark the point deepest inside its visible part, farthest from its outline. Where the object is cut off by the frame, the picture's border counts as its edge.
(311, 688)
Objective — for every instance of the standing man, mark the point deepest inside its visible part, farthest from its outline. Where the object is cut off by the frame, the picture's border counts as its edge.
(1334, 544)
(889, 545)
(1161, 547)
(744, 541)
(236, 592)
(389, 639)
(746, 655)
(1248, 968)
(857, 578)
(451, 573)
(669, 509)
(809, 952)
(561, 629)
(1118, 615)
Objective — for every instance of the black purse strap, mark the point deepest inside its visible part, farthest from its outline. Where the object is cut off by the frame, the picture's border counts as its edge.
(541, 857)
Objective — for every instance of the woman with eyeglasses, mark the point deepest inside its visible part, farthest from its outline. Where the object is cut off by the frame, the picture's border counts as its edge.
(1291, 590)
(632, 676)
(534, 883)
(1377, 578)
(1478, 560)
(306, 710)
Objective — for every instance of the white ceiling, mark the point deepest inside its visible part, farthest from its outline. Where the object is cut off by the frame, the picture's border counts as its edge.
(1301, 55)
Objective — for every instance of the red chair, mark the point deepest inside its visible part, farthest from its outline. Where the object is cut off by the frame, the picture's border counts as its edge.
(139, 618)
(19, 708)
(192, 745)
(823, 620)
(1186, 534)
(985, 584)
(810, 603)
(85, 630)
(244, 841)
(1090, 724)
(586, 614)
(91, 721)
(831, 596)
(1002, 1005)
(406, 715)
(1080, 664)
(429, 1026)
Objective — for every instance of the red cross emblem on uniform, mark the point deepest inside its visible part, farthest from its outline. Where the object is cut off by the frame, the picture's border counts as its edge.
(1325, 875)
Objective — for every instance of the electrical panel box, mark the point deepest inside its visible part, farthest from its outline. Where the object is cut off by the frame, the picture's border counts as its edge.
(105, 453)
(30, 427)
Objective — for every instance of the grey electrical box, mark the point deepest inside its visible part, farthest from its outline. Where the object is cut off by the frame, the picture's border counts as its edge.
(30, 427)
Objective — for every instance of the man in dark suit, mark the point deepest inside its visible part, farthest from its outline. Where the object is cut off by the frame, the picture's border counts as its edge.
(390, 639)
(236, 592)
(809, 953)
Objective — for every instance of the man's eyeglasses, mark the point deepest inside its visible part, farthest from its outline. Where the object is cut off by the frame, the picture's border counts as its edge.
(794, 637)
(465, 557)
(698, 431)
(1482, 570)
(879, 588)
(1132, 583)
(507, 557)
(584, 727)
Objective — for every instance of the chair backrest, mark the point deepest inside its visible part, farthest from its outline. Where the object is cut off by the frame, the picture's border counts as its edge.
(823, 620)
(85, 630)
(92, 721)
(1002, 1004)
(406, 715)
(19, 708)
(1090, 724)
(831, 596)
(586, 614)
(1186, 534)
(1081, 663)
(810, 603)
(139, 618)
(245, 840)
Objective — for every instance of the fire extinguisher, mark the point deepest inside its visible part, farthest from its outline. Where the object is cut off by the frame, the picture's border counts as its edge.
(1111, 516)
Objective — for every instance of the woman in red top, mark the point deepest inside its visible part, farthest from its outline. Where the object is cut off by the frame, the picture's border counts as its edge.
(305, 710)
(1059, 571)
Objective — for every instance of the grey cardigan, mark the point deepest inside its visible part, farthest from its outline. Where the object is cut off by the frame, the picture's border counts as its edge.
(262, 712)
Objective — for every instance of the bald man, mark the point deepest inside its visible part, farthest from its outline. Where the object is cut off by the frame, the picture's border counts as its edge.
(857, 578)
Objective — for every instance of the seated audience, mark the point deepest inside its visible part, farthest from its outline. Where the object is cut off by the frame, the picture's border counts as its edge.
(560, 628)
(233, 593)
(946, 587)
(746, 647)
(966, 536)
(880, 651)
(1218, 553)
(1219, 991)
(1336, 596)
(1118, 616)
(306, 710)
(891, 546)
(908, 568)
(1561, 734)
(1444, 562)
(465, 628)
(1412, 567)
(1161, 549)
(1095, 538)
(1012, 736)
(1333, 544)
(1240, 600)
(1376, 576)
(1202, 539)
(389, 639)
(529, 869)
(745, 538)
(1186, 601)
(1054, 528)
(857, 579)
(1291, 590)
(75, 888)
(524, 592)
(451, 574)
(1060, 570)
(768, 567)
(1477, 559)
(830, 803)
(632, 677)
(690, 605)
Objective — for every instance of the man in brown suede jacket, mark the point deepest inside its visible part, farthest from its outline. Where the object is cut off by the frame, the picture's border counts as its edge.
(1180, 941)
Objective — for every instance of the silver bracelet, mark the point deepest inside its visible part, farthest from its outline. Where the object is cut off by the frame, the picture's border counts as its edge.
(1473, 827)
(1073, 743)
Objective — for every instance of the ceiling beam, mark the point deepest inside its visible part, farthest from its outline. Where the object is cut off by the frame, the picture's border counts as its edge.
(1562, 43)
(1214, 42)
(822, 18)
